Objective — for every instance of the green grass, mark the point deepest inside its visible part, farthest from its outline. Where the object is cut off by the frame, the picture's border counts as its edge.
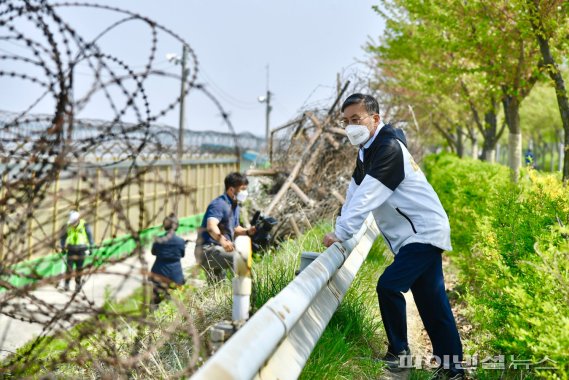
(354, 338)
(347, 348)
(277, 268)
(89, 347)
(38, 354)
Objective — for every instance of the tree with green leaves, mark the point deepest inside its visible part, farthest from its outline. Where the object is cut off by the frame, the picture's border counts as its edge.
(482, 99)
(485, 40)
(542, 125)
(549, 20)
(411, 70)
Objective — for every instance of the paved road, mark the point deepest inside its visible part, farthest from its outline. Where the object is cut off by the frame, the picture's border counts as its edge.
(119, 281)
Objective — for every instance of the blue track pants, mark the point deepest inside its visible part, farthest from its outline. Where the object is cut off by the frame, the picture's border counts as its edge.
(419, 267)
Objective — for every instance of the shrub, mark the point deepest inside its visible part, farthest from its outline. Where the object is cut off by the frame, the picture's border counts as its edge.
(512, 251)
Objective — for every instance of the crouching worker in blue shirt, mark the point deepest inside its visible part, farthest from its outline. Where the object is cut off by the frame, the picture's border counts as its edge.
(167, 269)
(220, 226)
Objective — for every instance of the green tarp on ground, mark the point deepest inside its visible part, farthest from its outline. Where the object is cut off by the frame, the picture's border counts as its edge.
(51, 265)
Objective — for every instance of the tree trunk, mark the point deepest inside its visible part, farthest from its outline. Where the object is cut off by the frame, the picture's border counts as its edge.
(489, 155)
(566, 159)
(494, 154)
(560, 146)
(561, 93)
(490, 135)
(552, 164)
(459, 141)
(512, 113)
(475, 149)
(447, 135)
(560, 164)
(472, 136)
(515, 155)
(543, 153)
(555, 75)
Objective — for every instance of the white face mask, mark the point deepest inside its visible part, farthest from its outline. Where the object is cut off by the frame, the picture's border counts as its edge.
(358, 134)
(242, 196)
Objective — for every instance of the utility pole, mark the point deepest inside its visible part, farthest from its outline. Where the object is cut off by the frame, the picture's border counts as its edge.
(268, 111)
(267, 100)
(267, 118)
(182, 103)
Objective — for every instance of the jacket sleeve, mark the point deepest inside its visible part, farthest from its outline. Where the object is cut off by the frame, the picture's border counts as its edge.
(217, 210)
(89, 234)
(385, 173)
(63, 238)
(182, 248)
(349, 194)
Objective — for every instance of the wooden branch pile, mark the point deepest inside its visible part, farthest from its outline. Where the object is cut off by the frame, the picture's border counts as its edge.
(311, 169)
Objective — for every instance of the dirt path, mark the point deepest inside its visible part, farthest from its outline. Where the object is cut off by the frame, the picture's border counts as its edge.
(117, 282)
(419, 342)
(453, 290)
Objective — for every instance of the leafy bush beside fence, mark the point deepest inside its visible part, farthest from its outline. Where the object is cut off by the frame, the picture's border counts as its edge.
(511, 246)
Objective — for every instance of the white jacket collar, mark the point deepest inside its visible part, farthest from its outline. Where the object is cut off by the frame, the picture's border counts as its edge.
(371, 140)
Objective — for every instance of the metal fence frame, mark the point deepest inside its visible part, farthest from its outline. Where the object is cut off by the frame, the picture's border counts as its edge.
(205, 175)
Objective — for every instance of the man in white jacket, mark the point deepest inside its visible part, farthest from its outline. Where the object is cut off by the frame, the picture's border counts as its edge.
(388, 183)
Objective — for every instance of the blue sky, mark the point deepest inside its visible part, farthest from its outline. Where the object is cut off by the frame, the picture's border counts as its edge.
(305, 43)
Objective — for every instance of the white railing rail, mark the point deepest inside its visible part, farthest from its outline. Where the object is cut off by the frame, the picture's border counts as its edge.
(277, 341)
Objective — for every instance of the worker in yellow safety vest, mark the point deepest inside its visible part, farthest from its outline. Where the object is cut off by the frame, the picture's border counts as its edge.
(76, 242)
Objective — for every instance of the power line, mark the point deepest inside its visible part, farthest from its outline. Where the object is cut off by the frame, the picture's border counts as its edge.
(225, 94)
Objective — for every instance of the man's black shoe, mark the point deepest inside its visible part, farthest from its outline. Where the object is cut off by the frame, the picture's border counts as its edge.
(394, 361)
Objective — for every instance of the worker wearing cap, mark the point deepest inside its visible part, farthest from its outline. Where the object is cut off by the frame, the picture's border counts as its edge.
(75, 243)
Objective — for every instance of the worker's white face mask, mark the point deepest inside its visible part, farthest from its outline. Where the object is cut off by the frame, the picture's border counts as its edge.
(242, 196)
(358, 134)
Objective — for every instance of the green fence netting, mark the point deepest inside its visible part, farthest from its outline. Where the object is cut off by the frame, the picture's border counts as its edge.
(30, 271)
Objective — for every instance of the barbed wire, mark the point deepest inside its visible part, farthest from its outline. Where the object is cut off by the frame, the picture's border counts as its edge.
(58, 161)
